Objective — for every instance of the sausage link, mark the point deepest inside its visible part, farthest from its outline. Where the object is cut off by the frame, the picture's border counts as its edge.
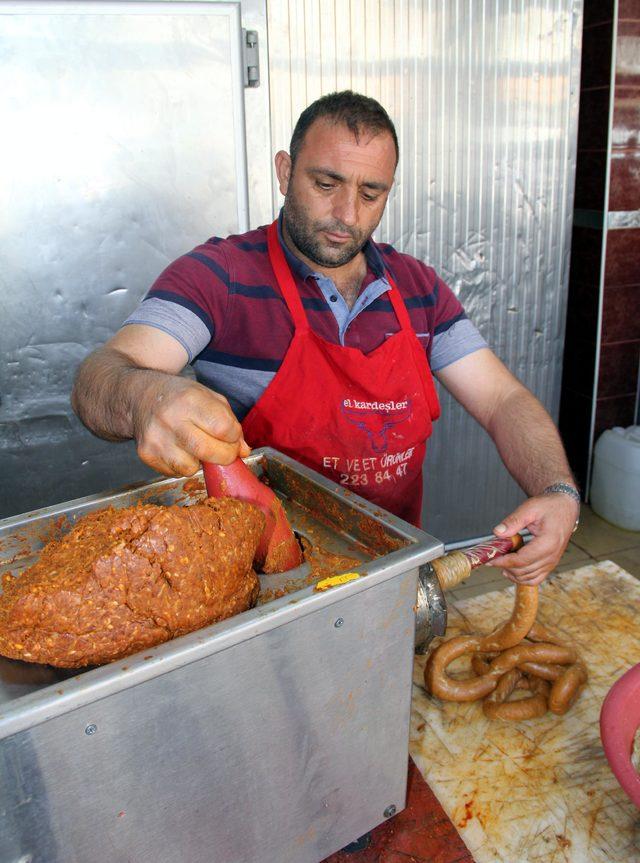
(480, 662)
(505, 686)
(542, 669)
(503, 661)
(566, 688)
(538, 632)
(519, 624)
(496, 705)
(438, 682)
(546, 653)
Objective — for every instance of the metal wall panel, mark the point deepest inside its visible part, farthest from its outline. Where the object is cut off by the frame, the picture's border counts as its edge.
(122, 147)
(484, 96)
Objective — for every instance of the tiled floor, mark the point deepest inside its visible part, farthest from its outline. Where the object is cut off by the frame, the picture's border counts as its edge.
(423, 832)
(594, 540)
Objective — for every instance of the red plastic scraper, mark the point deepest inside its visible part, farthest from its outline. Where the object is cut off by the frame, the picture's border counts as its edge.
(279, 549)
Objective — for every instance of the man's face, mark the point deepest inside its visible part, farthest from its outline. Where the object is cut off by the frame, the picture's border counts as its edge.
(336, 192)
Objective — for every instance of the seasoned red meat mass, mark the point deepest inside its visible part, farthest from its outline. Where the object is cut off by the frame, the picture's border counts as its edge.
(123, 580)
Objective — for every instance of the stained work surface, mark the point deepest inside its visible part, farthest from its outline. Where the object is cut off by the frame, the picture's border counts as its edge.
(421, 833)
(539, 790)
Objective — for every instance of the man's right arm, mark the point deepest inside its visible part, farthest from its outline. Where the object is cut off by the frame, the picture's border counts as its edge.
(131, 388)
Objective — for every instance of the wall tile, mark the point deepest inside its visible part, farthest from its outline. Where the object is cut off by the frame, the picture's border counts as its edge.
(596, 56)
(621, 313)
(623, 257)
(586, 251)
(614, 412)
(625, 132)
(628, 53)
(591, 172)
(626, 8)
(624, 183)
(618, 374)
(620, 351)
(594, 119)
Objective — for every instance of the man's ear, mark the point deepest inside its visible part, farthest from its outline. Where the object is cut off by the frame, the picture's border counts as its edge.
(283, 170)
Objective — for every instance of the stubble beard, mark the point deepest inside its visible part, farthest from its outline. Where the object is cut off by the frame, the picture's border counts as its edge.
(307, 237)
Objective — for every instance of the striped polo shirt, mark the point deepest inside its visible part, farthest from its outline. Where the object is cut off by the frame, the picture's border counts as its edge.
(222, 303)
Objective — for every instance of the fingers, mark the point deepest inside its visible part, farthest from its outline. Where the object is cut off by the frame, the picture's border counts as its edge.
(553, 515)
(550, 520)
(171, 461)
(179, 452)
(182, 455)
(538, 558)
(182, 424)
(518, 520)
(534, 554)
(206, 447)
(531, 564)
(213, 415)
(513, 560)
(536, 577)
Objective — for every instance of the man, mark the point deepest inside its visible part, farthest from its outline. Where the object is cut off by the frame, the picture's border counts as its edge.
(311, 338)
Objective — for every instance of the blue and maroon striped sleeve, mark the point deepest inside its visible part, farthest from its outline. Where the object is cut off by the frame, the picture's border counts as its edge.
(189, 299)
(454, 335)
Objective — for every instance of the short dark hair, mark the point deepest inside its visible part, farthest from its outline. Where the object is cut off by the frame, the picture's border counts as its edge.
(357, 112)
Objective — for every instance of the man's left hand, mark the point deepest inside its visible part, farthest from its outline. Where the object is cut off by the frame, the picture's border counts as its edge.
(550, 519)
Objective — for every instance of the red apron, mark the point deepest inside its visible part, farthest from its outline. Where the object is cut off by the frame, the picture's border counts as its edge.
(362, 420)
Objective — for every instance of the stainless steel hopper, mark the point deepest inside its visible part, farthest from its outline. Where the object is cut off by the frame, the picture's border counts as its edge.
(277, 736)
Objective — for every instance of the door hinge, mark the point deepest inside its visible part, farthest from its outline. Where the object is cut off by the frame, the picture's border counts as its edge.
(251, 58)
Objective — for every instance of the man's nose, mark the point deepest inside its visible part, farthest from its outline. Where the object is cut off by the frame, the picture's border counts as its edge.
(345, 208)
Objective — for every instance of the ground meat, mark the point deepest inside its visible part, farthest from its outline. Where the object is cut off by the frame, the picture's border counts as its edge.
(124, 580)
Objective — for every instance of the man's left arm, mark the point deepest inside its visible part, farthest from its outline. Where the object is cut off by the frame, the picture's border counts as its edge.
(530, 447)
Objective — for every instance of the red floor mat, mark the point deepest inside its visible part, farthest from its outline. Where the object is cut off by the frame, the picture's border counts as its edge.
(421, 833)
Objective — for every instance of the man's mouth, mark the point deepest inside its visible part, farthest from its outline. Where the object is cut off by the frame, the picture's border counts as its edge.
(337, 238)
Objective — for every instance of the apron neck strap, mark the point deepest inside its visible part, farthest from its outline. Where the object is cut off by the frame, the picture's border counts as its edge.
(292, 295)
(285, 279)
(398, 306)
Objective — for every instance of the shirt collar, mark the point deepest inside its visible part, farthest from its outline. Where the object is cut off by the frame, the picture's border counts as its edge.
(371, 253)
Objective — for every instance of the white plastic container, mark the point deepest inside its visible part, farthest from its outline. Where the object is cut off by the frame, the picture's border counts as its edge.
(615, 486)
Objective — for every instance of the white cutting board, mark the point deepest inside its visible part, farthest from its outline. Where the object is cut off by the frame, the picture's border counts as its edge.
(539, 790)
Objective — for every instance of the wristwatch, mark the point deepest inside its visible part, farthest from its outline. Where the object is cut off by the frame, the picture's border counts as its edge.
(566, 488)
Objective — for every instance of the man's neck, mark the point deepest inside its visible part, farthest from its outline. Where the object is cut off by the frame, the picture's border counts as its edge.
(348, 278)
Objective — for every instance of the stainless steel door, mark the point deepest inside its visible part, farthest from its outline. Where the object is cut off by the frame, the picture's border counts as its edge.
(122, 146)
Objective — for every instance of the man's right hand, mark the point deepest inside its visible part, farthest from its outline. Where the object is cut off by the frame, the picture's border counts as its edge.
(180, 423)
(130, 388)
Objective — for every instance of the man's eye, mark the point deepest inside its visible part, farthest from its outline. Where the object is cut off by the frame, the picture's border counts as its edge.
(370, 197)
(325, 186)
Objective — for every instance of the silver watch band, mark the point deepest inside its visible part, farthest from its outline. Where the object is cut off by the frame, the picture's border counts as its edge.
(566, 488)
(563, 488)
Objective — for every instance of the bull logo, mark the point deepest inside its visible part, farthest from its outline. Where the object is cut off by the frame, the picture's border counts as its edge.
(376, 418)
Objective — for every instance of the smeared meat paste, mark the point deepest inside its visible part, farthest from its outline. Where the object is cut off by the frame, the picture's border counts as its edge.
(124, 580)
